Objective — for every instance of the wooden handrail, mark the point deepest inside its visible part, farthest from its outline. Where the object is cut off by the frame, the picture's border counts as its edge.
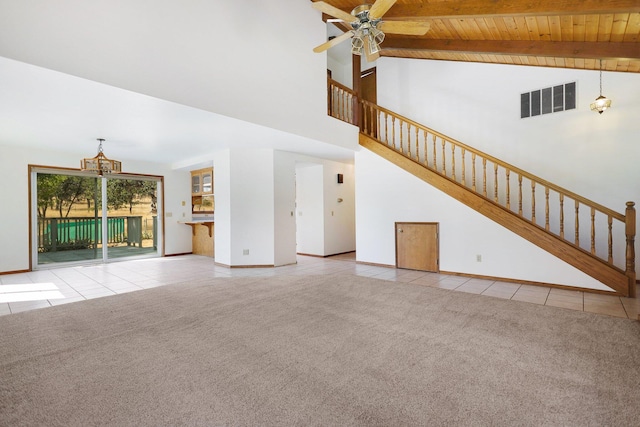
(341, 86)
(505, 165)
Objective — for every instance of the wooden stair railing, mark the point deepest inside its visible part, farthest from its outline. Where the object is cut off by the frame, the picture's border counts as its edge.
(548, 215)
(342, 102)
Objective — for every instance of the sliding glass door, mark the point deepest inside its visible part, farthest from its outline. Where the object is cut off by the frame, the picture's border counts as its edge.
(78, 218)
(132, 217)
(68, 218)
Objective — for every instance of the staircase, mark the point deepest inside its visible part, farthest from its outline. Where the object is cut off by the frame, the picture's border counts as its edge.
(586, 235)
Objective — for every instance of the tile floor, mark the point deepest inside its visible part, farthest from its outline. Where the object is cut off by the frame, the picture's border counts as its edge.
(45, 288)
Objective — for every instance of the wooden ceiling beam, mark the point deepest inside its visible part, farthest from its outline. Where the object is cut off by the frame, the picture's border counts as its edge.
(483, 8)
(586, 50)
(342, 26)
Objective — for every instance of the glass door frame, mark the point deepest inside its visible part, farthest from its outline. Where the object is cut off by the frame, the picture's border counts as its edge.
(33, 215)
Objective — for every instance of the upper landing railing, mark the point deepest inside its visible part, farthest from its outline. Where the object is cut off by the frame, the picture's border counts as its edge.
(584, 224)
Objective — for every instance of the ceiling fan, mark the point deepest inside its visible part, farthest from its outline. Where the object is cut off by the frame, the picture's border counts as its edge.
(368, 28)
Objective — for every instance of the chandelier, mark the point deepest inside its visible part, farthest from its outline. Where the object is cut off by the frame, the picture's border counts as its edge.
(100, 163)
(602, 102)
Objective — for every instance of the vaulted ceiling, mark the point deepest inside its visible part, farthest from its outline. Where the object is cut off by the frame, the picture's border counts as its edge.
(547, 33)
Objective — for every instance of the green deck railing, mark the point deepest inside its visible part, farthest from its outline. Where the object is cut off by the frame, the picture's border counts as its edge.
(58, 234)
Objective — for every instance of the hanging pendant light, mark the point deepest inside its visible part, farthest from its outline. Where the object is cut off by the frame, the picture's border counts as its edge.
(602, 102)
(100, 163)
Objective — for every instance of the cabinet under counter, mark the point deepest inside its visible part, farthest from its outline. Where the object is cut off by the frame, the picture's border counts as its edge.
(202, 237)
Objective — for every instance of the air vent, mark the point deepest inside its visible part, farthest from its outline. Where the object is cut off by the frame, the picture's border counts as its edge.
(548, 100)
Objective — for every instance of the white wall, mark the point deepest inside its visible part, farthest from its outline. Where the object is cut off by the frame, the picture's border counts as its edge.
(222, 190)
(14, 210)
(341, 67)
(339, 217)
(340, 70)
(310, 209)
(284, 185)
(325, 226)
(387, 194)
(252, 207)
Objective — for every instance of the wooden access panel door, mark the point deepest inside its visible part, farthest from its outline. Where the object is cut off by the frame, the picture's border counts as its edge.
(417, 246)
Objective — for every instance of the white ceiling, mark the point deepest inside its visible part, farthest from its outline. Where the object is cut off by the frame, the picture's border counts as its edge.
(41, 108)
(188, 96)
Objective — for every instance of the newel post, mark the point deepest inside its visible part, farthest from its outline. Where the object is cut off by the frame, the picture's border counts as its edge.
(630, 231)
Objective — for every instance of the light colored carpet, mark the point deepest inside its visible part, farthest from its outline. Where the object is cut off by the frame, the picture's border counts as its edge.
(319, 350)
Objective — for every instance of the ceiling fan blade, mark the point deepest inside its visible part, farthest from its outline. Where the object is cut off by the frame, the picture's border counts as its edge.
(333, 11)
(413, 28)
(380, 7)
(333, 42)
(372, 57)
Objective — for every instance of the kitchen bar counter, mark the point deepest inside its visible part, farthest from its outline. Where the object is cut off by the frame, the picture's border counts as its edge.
(202, 240)
(194, 223)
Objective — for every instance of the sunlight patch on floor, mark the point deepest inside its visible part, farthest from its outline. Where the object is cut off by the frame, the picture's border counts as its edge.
(29, 292)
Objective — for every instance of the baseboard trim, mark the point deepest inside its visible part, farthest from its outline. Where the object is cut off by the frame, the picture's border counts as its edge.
(377, 265)
(311, 255)
(503, 279)
(529, 282)
(14, 272)
(244, 266)
(323, 256)
(180, 254)
(340, 253)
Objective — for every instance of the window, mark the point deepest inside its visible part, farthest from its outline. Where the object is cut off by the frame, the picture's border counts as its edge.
(548, 100)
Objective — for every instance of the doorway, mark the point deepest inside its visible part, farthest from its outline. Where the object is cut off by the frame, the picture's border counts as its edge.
(369, 85)
(417, 246)
(369, 92)
(78, 218)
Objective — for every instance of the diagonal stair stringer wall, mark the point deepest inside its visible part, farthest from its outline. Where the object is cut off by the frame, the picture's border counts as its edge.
(612, 276)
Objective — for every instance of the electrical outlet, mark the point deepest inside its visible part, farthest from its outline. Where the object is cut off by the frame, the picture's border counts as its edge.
(168, 214)
(478, 258)
(245, 252)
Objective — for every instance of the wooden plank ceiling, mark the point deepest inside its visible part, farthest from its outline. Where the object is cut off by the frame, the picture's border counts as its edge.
(548, 33)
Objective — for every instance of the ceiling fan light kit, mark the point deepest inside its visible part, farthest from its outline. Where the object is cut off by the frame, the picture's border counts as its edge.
(367, 27)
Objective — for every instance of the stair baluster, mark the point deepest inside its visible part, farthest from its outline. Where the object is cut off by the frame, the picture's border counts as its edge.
(546, 208)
